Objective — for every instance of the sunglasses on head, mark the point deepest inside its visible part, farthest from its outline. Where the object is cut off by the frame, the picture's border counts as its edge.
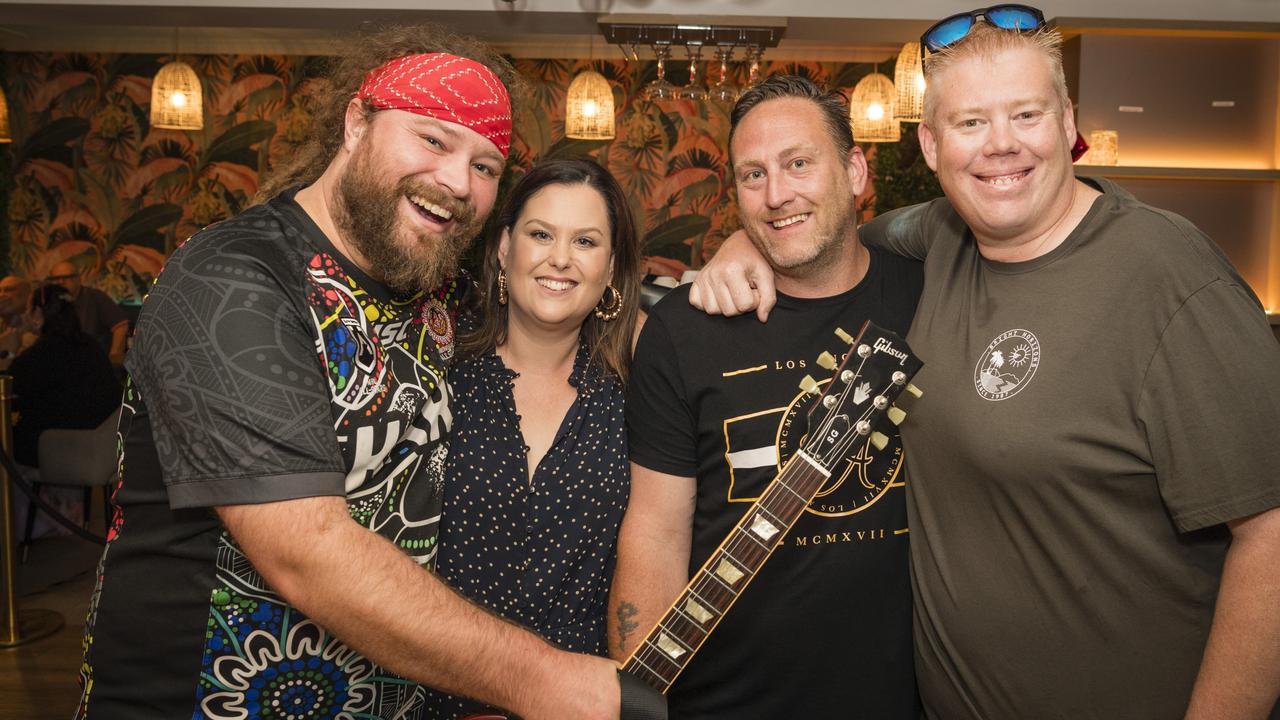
(951, 30)
(1018, 18)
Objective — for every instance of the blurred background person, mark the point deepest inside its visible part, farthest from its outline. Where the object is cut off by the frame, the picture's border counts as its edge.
(537, 475)
(63, 380)
(100, 317)
(17, 332)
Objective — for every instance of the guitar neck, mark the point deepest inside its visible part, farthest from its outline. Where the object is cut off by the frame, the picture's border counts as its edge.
(669, 646)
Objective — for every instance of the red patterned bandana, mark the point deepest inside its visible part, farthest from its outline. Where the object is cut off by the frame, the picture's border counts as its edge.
(445, 87)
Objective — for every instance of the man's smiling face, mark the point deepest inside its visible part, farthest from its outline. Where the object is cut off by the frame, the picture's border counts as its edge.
(1000, 142)
(796, 189)
(414, 195)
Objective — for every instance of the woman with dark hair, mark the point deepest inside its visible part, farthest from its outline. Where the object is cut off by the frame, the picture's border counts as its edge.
(537, 475)
(64, 380)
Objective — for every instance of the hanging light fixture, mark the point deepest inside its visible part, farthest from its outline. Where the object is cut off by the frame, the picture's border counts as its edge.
(871, 110)
(588, 112)
(5, 135)
(176, 100)
(908, 78)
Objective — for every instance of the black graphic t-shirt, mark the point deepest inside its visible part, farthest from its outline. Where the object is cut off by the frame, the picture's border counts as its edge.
(265, 368)
(824, 630)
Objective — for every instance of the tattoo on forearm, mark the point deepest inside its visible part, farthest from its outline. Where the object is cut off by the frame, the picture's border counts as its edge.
(626, 625)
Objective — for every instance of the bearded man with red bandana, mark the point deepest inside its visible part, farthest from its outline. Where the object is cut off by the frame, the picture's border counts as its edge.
(284, 430)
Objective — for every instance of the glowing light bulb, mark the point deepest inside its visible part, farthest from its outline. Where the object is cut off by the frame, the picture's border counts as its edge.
(178, 99)
(875, 111)
(589, 109)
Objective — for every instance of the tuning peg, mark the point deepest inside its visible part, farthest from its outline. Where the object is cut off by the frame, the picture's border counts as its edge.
(914, 390)
(827, 361)
(844, 336)
(896, 415)
(809, 385)
(879, 440)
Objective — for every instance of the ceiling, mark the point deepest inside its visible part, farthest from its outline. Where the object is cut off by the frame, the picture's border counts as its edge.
(816, 29)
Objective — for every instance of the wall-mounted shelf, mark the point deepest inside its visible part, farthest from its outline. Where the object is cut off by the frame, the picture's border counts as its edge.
(1177, 173)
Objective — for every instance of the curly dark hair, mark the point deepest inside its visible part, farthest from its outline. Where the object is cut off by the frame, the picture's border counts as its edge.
(346, 72)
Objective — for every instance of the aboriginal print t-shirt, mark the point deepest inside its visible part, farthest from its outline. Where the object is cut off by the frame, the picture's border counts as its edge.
(265, 367)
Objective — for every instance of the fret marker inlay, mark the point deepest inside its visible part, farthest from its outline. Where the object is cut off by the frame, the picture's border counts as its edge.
(763, 528)
(728, 572)
(669, 646)
(696, 611)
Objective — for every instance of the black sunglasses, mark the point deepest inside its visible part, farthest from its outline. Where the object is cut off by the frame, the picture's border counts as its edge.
(951, 30)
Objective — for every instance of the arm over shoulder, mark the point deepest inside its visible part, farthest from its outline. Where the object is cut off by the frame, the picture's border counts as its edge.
(900, 231)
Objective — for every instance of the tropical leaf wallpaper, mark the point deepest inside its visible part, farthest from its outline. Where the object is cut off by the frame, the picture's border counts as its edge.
(90, 181)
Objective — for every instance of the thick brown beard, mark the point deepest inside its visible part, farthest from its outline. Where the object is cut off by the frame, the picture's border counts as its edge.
(367, 213)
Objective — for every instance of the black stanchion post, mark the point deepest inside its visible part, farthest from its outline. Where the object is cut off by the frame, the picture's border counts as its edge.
(17, 626)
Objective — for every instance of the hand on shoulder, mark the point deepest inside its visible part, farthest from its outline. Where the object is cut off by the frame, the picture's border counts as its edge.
(736, 280)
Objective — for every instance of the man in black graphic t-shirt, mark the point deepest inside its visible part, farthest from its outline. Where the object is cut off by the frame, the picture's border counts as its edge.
(714, 411)
(284, 432)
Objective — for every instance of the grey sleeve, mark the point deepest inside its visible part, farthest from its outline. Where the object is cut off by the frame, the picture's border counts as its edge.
(899, 231)
(1210, 405)
(228, 371)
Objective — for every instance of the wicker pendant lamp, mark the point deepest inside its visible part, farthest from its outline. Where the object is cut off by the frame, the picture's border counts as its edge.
(871, 110)
(588, 112)
(908, 78)
(176, 102)
(5, 134)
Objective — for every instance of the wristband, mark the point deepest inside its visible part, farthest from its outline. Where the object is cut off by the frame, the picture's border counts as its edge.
(639, 701)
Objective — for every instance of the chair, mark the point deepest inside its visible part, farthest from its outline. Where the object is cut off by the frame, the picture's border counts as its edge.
(77, 458)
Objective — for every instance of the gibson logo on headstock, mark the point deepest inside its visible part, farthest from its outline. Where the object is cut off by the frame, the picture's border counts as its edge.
(884, 346)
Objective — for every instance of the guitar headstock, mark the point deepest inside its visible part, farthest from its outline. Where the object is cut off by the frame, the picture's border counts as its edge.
(864, 384)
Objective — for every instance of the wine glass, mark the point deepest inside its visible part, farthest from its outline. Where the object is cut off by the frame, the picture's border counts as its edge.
(724, 91)
(694, 90)
(659, 88)
(755, 54)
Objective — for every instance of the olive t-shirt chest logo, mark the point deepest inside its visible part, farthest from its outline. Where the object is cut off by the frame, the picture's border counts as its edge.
(1007, 365)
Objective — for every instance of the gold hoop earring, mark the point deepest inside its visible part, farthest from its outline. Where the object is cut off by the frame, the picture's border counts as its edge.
(502, 286)
(609, 310)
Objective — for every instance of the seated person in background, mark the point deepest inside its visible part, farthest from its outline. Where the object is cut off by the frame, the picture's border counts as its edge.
(100, 317)
(536, 480)
(62, 381)
(17, 332)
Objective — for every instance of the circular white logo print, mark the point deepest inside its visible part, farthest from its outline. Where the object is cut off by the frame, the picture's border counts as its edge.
(1007, 366)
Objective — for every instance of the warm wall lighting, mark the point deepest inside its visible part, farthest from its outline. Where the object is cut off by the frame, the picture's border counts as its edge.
(5, 134)
(871, 110)
(1104, 148)
(176, 101)
(588, 112)
(908, 78)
